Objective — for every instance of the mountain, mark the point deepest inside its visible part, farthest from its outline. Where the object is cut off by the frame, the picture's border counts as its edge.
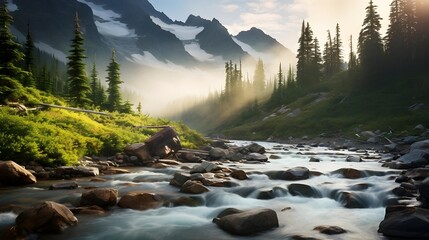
(263, 45)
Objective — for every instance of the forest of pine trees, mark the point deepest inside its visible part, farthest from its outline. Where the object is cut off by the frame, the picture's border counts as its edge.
(26, 66)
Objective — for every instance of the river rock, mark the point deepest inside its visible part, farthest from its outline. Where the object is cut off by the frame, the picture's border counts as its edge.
(80, 171)
(351, 200)
(163, 143)
(266, 193)
(330, 230)
(417, 174)
(193, 188)
(217, 153)
(63, 185)
(296, 173)
(88, 210)
(297, 189)
(422, 146)
(353, 159)
(139, 150)
(234, 156)
(274, 157)
(403, 222)
(424, 190)
(248, 222)
(140, 201)
(187, 201)
(239, 174)
(219, 144)
(179, 179)
(49, 217)
(102, 197)
(256, 157)
(350, 173)
(12, 174)
(313, 159)
(256, 148)
(413, 159)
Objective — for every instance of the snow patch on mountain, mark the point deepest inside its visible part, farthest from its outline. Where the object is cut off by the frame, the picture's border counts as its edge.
(107, 22)
(148, 59)
(12, 7)
(195, 50)
(250, 50)
(184, 33)
(52, 51)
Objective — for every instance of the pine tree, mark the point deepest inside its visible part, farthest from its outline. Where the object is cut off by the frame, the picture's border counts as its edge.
(78, 86)
(290, 83)
(336, 51)
(305, 53)
(10, 51)
(370, 46)
(113, 79)
(352, 58)
(94, 83)
(328, 68)
(422, 35)
(316, 62)
(259, 79)
(44, 80)
(29, 59)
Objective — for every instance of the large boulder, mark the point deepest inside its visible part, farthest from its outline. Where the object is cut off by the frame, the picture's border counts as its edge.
(417, 173)
(402, 222)
(63, 185)
(49, 217)
(255, 148)
(12, 174)
(102, 197)
(413, 159)
(80, 171)
(193, 188)
(140, 201)
(247, 222)
(164, 143)
(351, 200)
(204, 167)
(353, 158)
(422, 146)
(140, 150)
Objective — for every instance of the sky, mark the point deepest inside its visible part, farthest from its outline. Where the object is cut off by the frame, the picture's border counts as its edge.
(280, 19)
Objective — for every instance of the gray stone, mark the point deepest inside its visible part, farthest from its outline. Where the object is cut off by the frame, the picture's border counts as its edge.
(102, 197)
(257, 157)
(217, 153)
(401, 222)
(256, 148)
(353, 159)
(63, 185)
(297, 189)
(179, 179)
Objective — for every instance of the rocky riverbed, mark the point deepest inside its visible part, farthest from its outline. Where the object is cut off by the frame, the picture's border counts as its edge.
(260, 190)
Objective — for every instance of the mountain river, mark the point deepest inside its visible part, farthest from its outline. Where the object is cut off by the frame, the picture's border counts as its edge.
(298, 215)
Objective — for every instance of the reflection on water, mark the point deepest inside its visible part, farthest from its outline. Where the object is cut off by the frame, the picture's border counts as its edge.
(297, 215)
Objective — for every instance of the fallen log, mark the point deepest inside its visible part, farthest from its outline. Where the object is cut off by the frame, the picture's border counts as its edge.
(73, 109)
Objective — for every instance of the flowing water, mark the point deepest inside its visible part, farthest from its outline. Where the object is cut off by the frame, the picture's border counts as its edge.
(297, 215)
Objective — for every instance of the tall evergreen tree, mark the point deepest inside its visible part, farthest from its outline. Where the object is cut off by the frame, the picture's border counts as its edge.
(10, 51)
(316, 62)
(290, 82)
(95, 83)
(370, 46)
(337, 51)
(352, 58)
(29, 59)
(305, 53)
(78, 85)
(259, 79)
(328, 57)
(139, 108)
(114, 99)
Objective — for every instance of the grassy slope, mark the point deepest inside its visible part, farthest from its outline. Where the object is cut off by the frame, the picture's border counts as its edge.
(58, 137)
(344, 110)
